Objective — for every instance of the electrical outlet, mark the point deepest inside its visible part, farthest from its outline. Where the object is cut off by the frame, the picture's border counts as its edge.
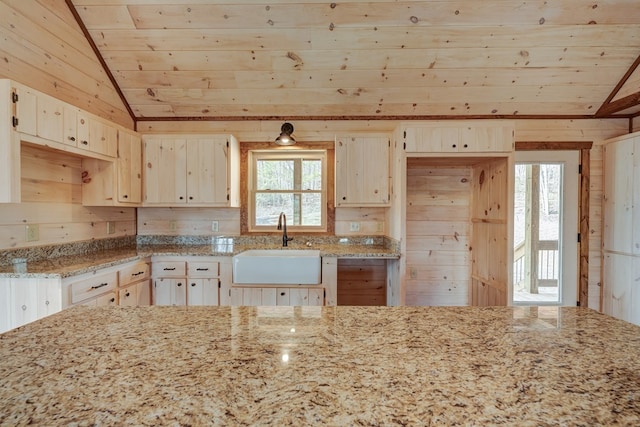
(111, 227)
(380, 226)
(354, 226)
(214, 225)
(173, 225)
(32, 233)
(413, 272)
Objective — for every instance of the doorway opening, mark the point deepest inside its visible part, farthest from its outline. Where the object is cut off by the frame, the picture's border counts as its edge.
(545, 249)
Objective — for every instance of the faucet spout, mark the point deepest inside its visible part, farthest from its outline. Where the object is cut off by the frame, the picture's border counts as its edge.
(282, 225)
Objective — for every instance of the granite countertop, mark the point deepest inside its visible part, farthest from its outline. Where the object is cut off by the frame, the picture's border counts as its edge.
(66, 266)
(257, 366)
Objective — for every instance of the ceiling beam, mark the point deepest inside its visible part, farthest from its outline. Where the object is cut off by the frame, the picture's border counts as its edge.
(607, 108)
(98, 55)
(619, 105)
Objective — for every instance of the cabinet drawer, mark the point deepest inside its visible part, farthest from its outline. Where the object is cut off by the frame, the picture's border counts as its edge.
(93, 286)
(203, 269)
(135, 272)
(169, 269)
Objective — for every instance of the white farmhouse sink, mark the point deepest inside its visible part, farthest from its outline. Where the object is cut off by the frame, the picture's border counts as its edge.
(277, 266)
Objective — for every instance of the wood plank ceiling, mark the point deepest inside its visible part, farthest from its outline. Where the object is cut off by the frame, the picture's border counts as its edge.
(221, 59)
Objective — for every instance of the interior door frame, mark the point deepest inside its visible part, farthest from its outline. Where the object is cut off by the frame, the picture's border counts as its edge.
(583, 204)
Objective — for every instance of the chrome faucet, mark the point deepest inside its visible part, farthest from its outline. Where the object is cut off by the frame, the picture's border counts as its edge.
(282, 225)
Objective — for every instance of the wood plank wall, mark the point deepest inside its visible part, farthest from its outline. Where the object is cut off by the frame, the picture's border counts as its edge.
(51, 198)
(43, 47)
(438, 212)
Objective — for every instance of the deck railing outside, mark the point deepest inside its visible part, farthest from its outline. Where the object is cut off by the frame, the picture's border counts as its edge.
(547, 272)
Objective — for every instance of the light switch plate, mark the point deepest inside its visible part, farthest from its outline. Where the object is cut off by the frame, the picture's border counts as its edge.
(214, 225)
(32, 232)
(111, 227)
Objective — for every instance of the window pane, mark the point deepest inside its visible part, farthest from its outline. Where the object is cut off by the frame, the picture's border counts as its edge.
(311, 175)
(269, 206)
(275, 174)
(312, 209)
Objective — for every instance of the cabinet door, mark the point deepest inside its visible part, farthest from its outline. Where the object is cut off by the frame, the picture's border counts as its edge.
(432, 140)
(202, 292)
(170, 292)
(362, 171)
(143, 289)
(50, 119)
(6, 307)
(49, 297)
(26, 111)
(129, 168)
(103, 138)
(24, 302)
(636, 196)
(207, 181)
(70, 126)
(618, 196)
(108, 299)
(128, 297)
(165, 171)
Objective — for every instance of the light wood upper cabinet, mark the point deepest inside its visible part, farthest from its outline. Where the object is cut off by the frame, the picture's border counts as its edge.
(114, 183)
(362, 171)
(165, 171)
(200, 170)
(129, 167)
(456, 137)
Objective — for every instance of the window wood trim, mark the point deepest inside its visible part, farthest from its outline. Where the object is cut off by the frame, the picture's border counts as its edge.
(245, 147)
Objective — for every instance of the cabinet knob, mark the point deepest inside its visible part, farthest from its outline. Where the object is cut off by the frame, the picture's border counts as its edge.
(454, 146)
(344, 198)
(181, 198)
(46, 303)
(24, 308)
(190, 197)
(72, 138)
(179, 284)
(125, 196)
(85, 142)
(466, 145)
(112, 300)
(193, 284)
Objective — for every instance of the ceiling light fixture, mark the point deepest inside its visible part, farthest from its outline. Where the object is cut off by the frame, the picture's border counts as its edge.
(285, 137)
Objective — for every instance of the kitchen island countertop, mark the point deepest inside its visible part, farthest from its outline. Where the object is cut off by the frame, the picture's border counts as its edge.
(321, 366)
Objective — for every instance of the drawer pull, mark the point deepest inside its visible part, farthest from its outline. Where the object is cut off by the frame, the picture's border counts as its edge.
(169, 268)
(202, 269)
(101, 285)
(139, 273)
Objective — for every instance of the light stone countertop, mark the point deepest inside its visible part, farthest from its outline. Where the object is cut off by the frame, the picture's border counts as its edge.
(338, 366)
(66, 266)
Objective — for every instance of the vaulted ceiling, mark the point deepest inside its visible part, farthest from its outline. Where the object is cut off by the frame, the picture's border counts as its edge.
(371, 59)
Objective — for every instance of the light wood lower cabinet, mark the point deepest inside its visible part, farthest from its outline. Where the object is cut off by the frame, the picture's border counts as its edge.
(25, 300)
(292, 296)
(134, 282)
(186, 281)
